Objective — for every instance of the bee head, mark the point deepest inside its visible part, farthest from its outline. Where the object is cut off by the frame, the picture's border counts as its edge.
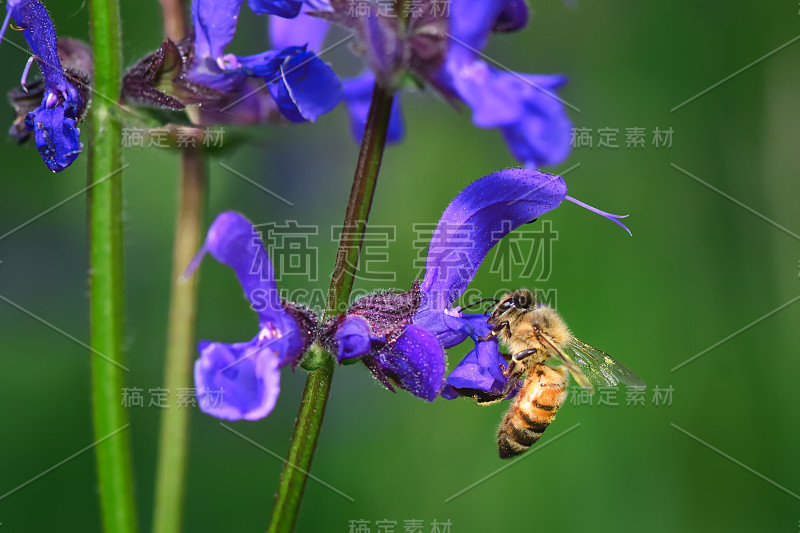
(513, 303)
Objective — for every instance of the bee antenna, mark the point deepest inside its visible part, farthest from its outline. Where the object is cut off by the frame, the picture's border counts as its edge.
(488, 309)
(495, 300)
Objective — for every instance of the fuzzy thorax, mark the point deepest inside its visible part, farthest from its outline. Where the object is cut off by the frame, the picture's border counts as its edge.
(526, 327)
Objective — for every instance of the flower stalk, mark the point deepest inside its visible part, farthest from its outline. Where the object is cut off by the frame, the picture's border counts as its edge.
(106, 280)
(172, 449)
(173, 441)
(318, 383)
(360, 203)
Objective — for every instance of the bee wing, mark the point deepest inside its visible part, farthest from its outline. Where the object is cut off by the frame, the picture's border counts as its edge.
(601, 367)
(580, 377)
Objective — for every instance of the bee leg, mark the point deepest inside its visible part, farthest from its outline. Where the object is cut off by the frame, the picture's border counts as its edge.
(492, 334)
(487, 398)
(524, 354)
(488, 401)
(518, 357)
(509, 387)
(507, 371)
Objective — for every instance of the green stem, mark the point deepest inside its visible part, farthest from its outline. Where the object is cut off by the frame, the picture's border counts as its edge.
(318, 383)
(106, 275)
(355, 219)
(172, 448)
(172, 451)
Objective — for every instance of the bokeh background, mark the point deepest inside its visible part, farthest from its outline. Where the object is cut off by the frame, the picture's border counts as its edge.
(700, 269)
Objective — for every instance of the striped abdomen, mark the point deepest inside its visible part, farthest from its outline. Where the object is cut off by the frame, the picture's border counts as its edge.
(535, 406)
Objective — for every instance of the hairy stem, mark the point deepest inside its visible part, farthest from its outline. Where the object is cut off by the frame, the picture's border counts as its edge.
(315, 396)
(355, 218)
(106, 282)
(172, 450)
(173, 441)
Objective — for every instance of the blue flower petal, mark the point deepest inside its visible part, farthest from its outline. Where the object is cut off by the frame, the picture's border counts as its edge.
(215, 21)
(214, 26)
(543, 135)
(246, 104)
(264, 65)
(471, 21)
(437, 322)
(307, 88)
(236, 381)
(513, 17)
(53, 123)
(473, 324)
(57, 137)
(37, 28)
(303, 30)
(526, 107)
(415, 361)
(532, 117)
(494, 96)
(353, 338)
(477, 218)
(282, 8)
(479, 372)
(358, 96)
(233, 241)
(451, 327)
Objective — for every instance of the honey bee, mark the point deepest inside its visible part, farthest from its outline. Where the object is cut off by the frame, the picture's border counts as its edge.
(535, 333)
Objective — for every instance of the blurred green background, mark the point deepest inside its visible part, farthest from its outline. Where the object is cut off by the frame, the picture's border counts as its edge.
(698, 270)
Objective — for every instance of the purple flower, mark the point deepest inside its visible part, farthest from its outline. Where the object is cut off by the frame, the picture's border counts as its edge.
(302, 30)
(310, 29)
(441, 45)
(524, 107)
(242, 380)
(390, 49)
(400, 336)
(215, 21)
(228, 87)
(54, 122)
(303, 86)
(477, 219)
(482, 214)
(513, 16)
(378, 330)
